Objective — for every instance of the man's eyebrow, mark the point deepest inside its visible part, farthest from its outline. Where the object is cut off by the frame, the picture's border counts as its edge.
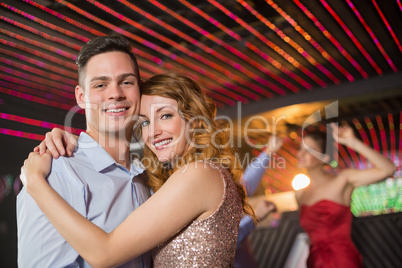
(102, 78)
(108, 78)
(122, 76)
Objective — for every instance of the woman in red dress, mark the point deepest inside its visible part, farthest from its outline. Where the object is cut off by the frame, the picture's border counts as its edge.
(325, 204)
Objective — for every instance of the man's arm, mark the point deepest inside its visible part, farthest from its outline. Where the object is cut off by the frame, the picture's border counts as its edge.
(39, 243)
(252, 177)
(253, 173)
(247, 225)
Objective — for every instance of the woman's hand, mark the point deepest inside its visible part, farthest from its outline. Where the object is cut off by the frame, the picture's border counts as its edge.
(57, 141)
(35, 169)
(343, 134)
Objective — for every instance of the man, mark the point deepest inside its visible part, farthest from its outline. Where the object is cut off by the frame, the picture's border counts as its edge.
(99, 180)
(252, 177)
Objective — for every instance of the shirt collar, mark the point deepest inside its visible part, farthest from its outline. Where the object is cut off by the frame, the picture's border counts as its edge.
(99, 158)
(137, 167)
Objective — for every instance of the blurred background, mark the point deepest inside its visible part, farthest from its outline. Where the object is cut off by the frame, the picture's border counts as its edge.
(281, 62)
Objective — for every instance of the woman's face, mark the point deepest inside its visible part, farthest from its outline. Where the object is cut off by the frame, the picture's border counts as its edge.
(304, 156)
(164, 131)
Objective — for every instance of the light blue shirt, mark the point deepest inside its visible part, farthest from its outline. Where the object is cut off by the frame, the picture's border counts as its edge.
(96, 186)
(252, 176)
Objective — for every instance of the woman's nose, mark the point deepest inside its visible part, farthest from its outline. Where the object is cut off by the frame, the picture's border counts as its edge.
(300, 153)
(155, 130)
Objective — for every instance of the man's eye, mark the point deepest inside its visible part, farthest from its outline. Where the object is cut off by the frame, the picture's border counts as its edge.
(128, 83)
(166, 116)
(144, 123)
(99, 85)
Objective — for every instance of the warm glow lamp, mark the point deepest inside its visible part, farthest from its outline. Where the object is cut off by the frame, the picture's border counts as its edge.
(300, 181)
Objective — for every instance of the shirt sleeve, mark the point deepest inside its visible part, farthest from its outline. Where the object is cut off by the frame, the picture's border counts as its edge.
(252, 177)
(39, 243)
(246, 226)
(253, 173)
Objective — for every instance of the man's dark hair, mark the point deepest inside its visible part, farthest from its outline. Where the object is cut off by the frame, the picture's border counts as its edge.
(103, 44)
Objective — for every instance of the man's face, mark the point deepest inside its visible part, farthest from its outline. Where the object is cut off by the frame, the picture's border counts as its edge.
(111, 94)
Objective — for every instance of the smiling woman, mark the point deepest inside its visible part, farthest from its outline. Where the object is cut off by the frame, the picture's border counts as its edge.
(325, 203)
(176, 108)
(163, 129)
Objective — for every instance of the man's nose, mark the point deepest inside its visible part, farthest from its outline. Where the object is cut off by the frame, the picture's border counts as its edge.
(116, 92)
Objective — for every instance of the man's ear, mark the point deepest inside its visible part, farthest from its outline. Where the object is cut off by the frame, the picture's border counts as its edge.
(80, 96)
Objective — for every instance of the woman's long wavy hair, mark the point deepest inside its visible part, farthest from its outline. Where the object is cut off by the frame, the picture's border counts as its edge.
(211, 144)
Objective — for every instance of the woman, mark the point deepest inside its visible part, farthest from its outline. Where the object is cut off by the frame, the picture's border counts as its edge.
(325, 204)
(193, 217)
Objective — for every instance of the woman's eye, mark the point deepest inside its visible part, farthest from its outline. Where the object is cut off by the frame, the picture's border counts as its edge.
(166, 116)
(144, 123)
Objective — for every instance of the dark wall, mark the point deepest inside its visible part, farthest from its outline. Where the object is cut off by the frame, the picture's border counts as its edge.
(8, 233)
(378, 239)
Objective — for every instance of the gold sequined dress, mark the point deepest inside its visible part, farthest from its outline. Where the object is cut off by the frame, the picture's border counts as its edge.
(209, 242)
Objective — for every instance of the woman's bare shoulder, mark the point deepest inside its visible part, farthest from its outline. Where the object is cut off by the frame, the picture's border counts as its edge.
(198, 172)
(202, 180)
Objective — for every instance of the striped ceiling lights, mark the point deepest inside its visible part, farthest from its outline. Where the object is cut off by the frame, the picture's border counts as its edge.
(255, 50)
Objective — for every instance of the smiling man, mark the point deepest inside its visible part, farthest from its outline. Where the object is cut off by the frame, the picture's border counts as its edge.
(99, 180)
